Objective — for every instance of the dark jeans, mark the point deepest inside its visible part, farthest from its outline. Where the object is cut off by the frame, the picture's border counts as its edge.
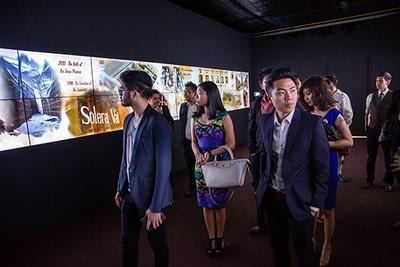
(131, 225)
(190, 162)
(281, 224)
(372, 146)
(254, 169)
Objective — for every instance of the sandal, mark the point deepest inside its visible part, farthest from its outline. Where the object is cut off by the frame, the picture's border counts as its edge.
(209, 249)
(219, 245)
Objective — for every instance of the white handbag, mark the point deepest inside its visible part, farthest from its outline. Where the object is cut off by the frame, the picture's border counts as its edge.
(225, 173)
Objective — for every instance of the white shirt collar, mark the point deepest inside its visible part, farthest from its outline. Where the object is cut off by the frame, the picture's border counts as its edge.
(190, 105)
(384, 92)
(136, 120)
(337, 91)
(288, 117)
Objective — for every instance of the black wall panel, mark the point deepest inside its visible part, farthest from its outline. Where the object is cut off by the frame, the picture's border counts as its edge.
(355, 56)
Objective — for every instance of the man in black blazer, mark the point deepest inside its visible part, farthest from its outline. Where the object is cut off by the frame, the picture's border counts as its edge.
(144, 188)
(186, 112)
(377, 109)
(253, 139)
(294, 171)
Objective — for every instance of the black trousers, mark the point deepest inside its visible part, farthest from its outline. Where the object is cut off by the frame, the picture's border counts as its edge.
(131, 226)
(281, 224)
(372, 146)
(255, 173)
(190, 162)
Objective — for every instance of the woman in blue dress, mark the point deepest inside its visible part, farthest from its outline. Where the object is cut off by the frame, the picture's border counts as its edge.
(212, 128)
(317, 99)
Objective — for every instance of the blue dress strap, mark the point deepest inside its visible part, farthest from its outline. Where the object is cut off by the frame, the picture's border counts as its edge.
(332, 115)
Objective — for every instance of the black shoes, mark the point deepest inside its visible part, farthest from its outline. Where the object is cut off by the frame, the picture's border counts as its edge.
(209, 248)
(366, 185)
(255, 230)
(215, 246)
(388, 188)
(219, 245)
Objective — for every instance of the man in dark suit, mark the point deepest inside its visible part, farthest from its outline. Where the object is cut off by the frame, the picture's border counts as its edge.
(186, 112)
(260, 106)
(294, 171)
(377, 110)
(162, 108)
(144, 188)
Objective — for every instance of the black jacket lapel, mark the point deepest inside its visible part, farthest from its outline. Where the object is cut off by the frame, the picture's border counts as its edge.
(292, 132)
(141, 126)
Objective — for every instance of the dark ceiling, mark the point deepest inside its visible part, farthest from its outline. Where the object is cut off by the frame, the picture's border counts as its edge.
(258, 16)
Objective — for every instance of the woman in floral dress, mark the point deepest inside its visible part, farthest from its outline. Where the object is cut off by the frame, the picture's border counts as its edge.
(212, 128)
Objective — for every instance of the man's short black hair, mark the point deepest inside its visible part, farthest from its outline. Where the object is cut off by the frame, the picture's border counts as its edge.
(279, 74)
(264, 72)
(154, 92)
(137, 80)
(191, 85)
(331, 79)
(386, 75)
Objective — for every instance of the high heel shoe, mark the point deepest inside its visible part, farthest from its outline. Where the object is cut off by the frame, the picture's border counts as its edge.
(325, 257)
(219, 245)
(209, 248)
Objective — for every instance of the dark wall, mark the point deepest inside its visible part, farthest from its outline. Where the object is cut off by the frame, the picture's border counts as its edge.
(354, 53)
(44, 184)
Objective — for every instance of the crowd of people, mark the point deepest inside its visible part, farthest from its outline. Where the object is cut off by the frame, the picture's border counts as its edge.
(298, 139)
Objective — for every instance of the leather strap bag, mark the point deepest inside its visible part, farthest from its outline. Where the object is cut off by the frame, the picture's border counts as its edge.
(225, 173)
(332, 133)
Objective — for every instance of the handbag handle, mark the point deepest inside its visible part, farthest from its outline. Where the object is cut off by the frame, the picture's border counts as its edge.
(227, 148)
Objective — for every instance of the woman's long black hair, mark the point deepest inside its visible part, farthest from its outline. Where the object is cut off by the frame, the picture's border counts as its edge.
(214, 100)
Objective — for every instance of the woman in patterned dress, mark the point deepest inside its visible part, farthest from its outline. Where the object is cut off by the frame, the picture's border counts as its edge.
(317, 99)
(212, 128)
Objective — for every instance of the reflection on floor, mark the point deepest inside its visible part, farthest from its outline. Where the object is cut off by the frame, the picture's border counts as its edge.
(363, 231)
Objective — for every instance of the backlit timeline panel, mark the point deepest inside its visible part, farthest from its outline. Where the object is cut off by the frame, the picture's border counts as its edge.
(55, 75)
(46, 97)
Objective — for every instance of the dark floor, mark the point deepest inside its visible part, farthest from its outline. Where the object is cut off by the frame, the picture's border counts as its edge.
(363, 237)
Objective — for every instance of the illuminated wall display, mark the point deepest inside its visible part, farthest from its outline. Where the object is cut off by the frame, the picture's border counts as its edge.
(48, 97)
